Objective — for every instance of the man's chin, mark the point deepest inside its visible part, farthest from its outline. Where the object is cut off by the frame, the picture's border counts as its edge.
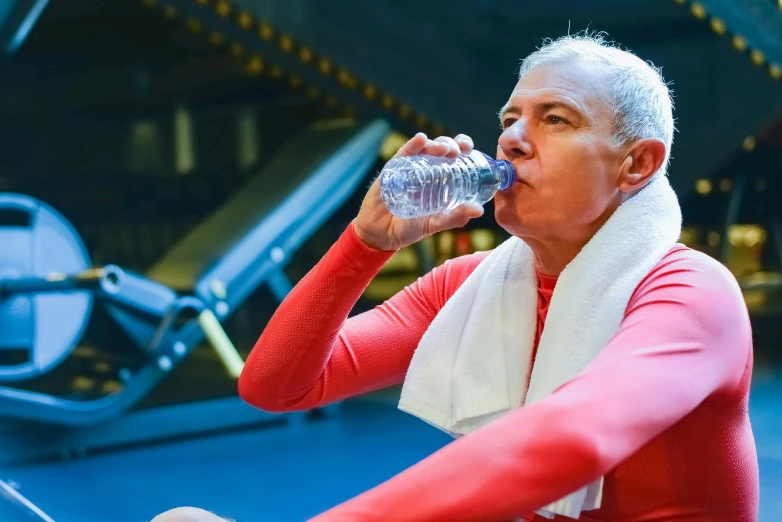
(515, 220)
(506, 217)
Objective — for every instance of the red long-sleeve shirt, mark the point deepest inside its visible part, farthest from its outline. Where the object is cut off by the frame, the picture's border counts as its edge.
(662, 412)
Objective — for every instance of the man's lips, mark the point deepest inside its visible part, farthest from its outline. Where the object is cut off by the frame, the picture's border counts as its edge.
(520, 178)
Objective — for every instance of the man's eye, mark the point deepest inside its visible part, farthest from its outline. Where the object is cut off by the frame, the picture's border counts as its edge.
(555, 120)
(507, 122)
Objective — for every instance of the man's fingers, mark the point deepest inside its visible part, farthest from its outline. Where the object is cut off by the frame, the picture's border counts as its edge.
(457, 218)
(414, 145)
(465, 143)
(452, 147)
(441, 146)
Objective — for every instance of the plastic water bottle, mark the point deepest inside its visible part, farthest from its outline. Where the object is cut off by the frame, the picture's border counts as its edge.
(421, 185)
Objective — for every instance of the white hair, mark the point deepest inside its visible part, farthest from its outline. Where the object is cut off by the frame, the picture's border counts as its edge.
(640, 100)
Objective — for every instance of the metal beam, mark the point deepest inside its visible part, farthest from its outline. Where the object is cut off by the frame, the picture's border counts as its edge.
(759, 22)
(300, 67)
(16, 22)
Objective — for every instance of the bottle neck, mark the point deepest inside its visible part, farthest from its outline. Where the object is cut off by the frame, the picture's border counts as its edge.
(504, 170)
(507, 173)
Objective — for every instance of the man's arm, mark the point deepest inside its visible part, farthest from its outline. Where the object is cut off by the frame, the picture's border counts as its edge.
(685, 339)
(311, 354)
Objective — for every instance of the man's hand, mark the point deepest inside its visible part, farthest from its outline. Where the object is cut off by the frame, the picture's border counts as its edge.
(381, 230)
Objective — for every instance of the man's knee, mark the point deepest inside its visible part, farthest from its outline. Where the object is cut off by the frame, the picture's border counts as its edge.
(188, 514)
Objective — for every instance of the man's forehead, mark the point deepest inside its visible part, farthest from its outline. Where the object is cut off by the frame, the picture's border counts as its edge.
(570, 81)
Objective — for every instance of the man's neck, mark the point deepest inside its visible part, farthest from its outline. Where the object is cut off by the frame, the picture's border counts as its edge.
(551, 259)
(554, 253)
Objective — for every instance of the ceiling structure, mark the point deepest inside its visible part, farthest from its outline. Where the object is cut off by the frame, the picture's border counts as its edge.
(423, 65)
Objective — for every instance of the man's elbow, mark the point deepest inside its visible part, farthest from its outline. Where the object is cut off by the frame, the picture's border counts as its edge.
(257, 395)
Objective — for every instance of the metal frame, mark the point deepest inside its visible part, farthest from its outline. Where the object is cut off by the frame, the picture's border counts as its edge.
(18, 505)
(146, 309)
(141, 427)
(758, 21)
(19, 23)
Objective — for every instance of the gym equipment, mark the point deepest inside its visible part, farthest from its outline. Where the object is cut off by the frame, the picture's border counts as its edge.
(37, 243)
(14, 507)
(48, 288)
(17, 18)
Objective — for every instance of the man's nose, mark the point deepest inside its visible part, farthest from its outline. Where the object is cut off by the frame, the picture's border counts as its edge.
(514, 141)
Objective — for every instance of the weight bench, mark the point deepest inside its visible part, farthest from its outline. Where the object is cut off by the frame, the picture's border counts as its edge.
(47, 288)
(14, 507)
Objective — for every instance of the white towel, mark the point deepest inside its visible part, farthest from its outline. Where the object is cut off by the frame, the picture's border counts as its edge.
(472, 363)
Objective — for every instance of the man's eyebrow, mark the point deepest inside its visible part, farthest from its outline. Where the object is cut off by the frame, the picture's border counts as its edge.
(541, 107)
(547, 106)
(507, 108)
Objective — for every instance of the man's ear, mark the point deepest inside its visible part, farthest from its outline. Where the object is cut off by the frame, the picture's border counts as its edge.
(643, 159)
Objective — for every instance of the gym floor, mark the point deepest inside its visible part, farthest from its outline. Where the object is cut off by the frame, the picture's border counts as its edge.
(289, 473)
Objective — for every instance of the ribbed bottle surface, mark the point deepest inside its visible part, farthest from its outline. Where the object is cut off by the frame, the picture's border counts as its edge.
(417, 186)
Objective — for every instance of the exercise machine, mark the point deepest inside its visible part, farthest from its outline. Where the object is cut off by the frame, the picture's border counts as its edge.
(48, 290)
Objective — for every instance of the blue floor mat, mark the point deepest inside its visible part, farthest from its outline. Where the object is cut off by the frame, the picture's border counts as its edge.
(766, 414)
(290, 474)
(270, 474)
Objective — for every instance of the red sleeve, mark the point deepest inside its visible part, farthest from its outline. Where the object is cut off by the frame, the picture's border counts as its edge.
(311, 354)
(685, 338)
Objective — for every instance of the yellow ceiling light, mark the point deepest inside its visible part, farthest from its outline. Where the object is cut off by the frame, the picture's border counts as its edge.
(698, 11)
(749, 144)
(305, 54)
(739, 43)
(324, 65)
(286, 43)
(370, 91)
(387, 101)
(223, 8)
(244, 19)
(265, 31)
(255, 65)
(703, 186)
(757, 57)
(718, 26)
(346, 79)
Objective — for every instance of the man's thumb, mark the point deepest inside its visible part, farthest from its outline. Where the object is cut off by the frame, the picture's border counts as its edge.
(458, 217)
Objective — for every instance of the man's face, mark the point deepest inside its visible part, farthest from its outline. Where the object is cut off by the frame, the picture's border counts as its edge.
(557, 132)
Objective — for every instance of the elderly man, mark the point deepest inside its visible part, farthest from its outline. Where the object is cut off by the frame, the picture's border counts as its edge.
(591, 368)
